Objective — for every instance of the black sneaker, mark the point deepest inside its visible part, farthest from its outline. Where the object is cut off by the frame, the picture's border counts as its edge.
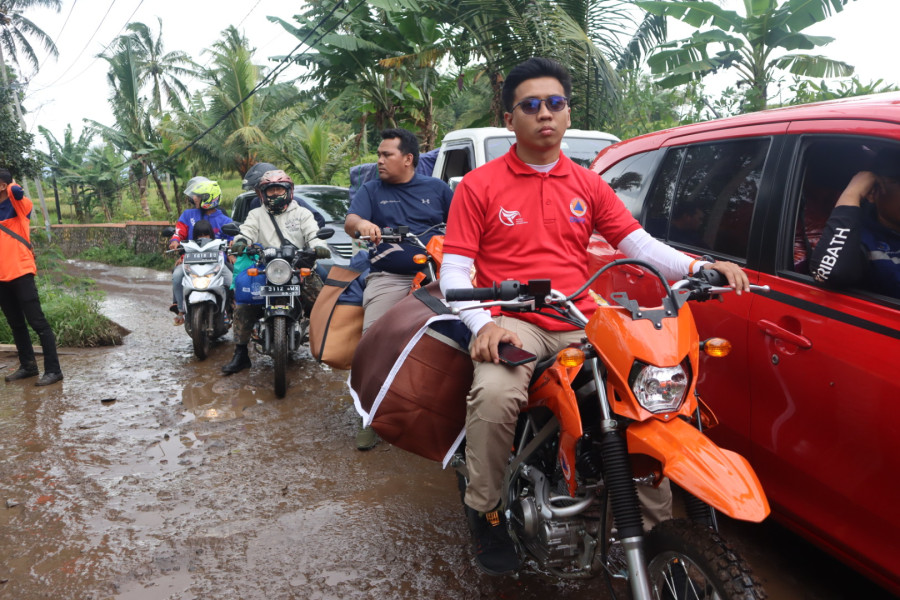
(495, 552)
(23, 373)
(49, 379)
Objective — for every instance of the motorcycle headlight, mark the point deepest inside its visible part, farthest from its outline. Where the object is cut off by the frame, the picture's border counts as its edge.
(200, 282)
(278, 271)
(659, 389)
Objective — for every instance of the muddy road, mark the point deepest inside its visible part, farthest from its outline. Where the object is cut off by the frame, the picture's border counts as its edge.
(149, 475)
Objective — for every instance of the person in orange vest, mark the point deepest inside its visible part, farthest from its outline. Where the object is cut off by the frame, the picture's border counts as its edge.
(18, 292)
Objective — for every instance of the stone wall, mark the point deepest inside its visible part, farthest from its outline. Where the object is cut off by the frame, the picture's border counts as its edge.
(143, 237)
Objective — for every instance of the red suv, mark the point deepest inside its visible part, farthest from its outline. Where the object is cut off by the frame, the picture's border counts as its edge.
(809, 394)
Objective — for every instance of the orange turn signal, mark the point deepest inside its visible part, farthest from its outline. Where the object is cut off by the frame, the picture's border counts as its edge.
(570, 357)
(716, 347)
(304, 272)
(420, 259)
(252, 271)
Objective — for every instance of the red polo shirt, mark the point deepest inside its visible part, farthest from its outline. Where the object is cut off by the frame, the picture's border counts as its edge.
(15, 259)
(517, 223)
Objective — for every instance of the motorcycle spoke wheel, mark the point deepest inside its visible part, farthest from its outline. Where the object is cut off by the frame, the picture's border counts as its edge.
(199, 331)
(687, 561)
(280, 355)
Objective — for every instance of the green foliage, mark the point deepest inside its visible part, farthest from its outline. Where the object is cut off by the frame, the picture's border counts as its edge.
(17, 29)
(310, 152)
(123, 256)
(806, 91)
(70, 304)
(646, 107)
(747, 43)
(15, 143)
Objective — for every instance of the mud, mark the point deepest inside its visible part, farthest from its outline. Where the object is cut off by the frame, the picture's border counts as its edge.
(149, 475)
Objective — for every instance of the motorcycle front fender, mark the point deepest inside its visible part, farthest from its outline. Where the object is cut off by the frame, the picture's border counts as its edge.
(278, 311)
(201, 297)
(721, 478)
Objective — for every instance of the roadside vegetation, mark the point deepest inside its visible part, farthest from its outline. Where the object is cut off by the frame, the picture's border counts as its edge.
(71, 305)
(430, 66)
(123, 256)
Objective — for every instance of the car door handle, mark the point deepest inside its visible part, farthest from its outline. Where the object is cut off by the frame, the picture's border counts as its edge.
(780, 333)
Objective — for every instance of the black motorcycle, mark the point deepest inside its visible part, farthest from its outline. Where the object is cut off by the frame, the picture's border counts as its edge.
(285, 322)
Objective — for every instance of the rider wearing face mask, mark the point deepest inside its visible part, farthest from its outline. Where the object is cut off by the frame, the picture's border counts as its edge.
(278, 217)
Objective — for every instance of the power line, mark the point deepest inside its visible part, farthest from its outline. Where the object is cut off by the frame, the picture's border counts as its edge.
(58, 35)
(96, 58)
(91, 39)
(203, 68)
(271, 75)
(250, 12)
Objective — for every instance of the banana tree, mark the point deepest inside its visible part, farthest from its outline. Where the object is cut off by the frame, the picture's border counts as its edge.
(768, 38)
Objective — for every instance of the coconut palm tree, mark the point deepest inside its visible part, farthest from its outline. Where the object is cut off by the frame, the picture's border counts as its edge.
(159, 69)
(226, 124)
(753, 44)
(307, 148)
(16, 29)
(134, 132)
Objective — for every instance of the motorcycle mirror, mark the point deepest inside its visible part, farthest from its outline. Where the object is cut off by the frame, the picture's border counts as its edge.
(168, 231)
(325, 233)
(231, 229)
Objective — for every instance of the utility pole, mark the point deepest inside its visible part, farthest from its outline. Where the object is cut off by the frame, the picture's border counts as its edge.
(18, 113)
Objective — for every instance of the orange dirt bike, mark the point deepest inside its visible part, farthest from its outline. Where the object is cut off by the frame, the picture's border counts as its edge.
(618, 411)
(431, 256)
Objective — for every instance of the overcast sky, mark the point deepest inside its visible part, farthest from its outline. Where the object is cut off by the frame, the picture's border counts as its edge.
(74, 86)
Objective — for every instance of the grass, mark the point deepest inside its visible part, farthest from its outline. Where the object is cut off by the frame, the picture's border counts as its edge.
(70, 304)
(123, 256)
(130, 207)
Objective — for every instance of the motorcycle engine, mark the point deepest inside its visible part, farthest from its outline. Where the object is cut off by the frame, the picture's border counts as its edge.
(556, 543)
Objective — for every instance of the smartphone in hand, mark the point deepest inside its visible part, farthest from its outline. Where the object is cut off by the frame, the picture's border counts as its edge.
(513, 356)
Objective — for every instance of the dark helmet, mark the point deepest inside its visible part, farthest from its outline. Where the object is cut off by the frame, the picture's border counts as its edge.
(279, 203)
(251, 178)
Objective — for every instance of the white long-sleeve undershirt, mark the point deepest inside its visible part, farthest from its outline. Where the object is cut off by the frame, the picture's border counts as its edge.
(673, 264)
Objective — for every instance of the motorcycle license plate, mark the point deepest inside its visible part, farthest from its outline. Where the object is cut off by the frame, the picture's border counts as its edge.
(201, 257)
(279, 290)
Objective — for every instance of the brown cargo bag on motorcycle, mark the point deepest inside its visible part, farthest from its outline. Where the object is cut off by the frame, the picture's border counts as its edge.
(411, 374)
(335, 325)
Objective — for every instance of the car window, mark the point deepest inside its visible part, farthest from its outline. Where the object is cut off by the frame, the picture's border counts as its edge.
(458, 160)
(332, 203)
(827, 164)
(705, 194)
(583, 151)
(630, 178)
(497, 146)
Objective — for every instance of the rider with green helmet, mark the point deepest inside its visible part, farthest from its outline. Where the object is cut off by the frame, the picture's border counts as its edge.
(205, 195)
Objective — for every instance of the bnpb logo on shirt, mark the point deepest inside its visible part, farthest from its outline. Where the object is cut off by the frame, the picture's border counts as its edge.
(579, 209)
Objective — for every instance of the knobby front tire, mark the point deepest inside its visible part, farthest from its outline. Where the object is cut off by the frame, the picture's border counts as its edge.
(687, 561)
(280, 355)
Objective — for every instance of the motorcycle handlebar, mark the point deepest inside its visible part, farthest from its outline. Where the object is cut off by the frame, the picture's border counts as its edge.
(506, 290)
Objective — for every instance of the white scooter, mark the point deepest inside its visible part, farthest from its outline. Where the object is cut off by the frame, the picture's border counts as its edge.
(205, 294)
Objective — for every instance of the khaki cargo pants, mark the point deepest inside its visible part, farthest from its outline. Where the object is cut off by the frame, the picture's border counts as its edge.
(497, 395)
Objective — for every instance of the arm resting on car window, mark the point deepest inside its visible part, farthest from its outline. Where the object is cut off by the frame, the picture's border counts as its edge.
(839, 259)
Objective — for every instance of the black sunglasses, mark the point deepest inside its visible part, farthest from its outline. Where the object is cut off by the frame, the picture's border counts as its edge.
(532, 106)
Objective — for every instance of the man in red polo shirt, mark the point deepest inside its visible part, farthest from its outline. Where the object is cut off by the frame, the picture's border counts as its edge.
(18, 293)
(529, 215)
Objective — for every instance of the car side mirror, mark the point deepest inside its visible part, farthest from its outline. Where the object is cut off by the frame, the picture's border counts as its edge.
(325, 233)
(168, 231)
(231, 229)
(454, 181)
